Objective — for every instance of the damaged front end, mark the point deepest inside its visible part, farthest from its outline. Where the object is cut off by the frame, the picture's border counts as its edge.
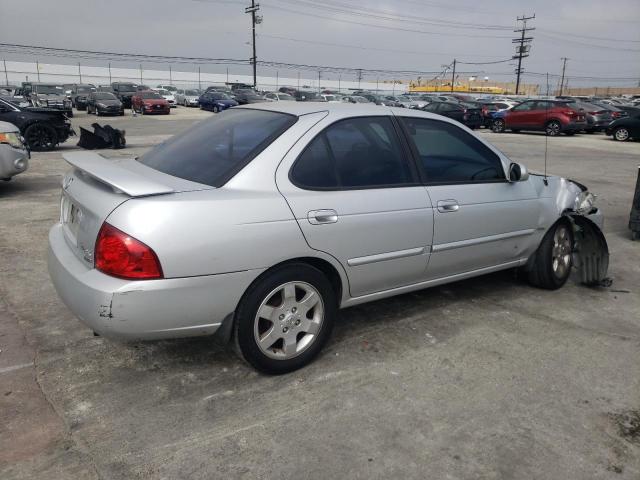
(590, 250)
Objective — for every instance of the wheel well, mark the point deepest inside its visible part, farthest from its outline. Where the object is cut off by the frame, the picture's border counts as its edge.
(225, 331)
(325, 267)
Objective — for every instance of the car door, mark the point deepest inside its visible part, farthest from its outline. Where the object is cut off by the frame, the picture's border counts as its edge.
(521, 116)
(480, 219)
(354, 191)
(451, 110)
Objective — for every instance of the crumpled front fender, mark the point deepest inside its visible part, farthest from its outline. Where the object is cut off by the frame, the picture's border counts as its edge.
(591, 251)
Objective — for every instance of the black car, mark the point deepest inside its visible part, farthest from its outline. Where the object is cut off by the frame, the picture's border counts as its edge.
(245, 96)
(79, 94)
(465, 113)
(625, 128)
(124, 91)
(104, 103)
(42, 128)
(306, 96)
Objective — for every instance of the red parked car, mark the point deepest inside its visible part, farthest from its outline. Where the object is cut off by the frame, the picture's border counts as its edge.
(149, 102)
(551, 116)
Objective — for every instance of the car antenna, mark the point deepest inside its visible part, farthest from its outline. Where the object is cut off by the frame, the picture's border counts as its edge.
(546, 136)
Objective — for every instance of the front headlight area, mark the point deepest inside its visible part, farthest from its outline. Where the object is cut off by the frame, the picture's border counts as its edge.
(12, 139)
(585, 202)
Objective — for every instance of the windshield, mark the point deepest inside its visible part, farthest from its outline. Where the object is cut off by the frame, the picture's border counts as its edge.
(105, 96)
(215, 150)
(220, 96)
(49, 89)
(85, 89)
(191, 93)
(150, 95)
(126, 87)
(360, 99)
(164, 92)
(329, 98)
(285, 96)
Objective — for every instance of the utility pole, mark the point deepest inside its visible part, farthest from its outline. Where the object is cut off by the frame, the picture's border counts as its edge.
(79, 72)
(318, 81)
(170, 77)
(6, 76)
(564, 66)
(38, 69)
(109, 73)
(359, 77)
(522, 50)
(339, 79)
(453, 75)
(255, 19)
(141, 73)
(199, 84)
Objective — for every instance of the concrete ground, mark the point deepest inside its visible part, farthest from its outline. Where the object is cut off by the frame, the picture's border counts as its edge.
(487, 378)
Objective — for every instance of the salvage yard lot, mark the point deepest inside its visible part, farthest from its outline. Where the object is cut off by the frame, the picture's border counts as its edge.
(486, 378)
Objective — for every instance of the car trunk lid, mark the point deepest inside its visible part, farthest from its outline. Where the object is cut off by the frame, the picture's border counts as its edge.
(96, 186)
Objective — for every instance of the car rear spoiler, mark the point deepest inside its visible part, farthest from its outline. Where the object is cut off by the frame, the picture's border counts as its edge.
(116, 174)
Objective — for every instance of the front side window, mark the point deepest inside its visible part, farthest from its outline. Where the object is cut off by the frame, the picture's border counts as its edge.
(362, 152)
(214, 150)
(448, 154)
(523, 107)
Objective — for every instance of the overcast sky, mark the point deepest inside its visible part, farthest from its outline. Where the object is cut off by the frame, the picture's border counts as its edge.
(599, 40)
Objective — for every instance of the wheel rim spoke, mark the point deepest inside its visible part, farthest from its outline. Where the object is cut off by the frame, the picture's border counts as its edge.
(284, 326)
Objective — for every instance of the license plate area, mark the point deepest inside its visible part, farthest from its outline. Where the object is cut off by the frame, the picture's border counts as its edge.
(70, 216)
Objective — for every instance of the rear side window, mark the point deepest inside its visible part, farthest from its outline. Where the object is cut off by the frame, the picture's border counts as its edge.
(362, 152)
(215, 150)
(448, 154)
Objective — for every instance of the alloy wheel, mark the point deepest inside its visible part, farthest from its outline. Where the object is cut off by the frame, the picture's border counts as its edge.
(622, 134)
(289, 320)
(561, 251)
(498, 126)
(553, 129)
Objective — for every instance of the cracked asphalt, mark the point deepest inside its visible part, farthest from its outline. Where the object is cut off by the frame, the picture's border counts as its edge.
(487, 378)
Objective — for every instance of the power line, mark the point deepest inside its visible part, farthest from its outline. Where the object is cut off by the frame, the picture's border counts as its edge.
(588, 37)
(385, 27)
(392, 16)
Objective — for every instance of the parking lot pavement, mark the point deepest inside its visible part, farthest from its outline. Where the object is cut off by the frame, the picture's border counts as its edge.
(486, 378)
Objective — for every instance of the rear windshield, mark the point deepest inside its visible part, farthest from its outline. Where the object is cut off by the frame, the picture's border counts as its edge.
(214, 150)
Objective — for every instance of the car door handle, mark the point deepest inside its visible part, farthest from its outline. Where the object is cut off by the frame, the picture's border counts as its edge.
(446, 206)
(320, 217)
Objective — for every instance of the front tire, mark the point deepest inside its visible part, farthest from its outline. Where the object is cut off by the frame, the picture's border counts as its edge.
(41, 137)
(498, 126)
(553, 259)
(621, 134)
(285, 318)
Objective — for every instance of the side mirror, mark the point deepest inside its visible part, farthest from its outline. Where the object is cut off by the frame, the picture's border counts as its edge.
(518, 173)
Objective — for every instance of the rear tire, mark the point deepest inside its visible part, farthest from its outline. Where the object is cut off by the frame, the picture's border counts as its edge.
(553, 259)
(553, 128)
(285, 318)
(621, 134)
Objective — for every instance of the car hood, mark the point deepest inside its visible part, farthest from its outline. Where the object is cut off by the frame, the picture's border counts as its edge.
(45, 110)
(109, 102)
(50, 96)
(233, 102)
(155, 101)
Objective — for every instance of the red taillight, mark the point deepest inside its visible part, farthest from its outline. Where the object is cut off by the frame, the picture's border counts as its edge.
(121, 255)
(569, 113)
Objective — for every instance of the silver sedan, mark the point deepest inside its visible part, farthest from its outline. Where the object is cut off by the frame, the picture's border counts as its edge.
(260, 223)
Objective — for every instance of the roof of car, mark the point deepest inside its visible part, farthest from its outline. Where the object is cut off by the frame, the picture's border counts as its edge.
(341, 109)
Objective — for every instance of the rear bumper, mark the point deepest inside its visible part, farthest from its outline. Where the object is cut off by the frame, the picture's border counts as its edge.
(575, 126)
(143, 310)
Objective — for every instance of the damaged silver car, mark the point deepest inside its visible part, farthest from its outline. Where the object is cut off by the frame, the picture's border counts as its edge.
(260, 223)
